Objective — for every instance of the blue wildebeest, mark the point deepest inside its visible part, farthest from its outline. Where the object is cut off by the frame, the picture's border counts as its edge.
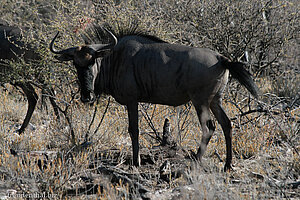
(139, 68)
(12, 48)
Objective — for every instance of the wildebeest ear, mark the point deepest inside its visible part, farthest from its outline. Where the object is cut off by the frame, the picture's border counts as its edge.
(64, 57)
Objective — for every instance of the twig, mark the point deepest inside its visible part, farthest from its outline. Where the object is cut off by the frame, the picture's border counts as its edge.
(218, 155)
(65, 113)
(125, 177)
(150, 123)
(93, 119)
(102, 118)
(253, 111)
(293, 185)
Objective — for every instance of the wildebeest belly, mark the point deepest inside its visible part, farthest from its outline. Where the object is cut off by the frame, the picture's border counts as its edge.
(165, 96)
(156, 92)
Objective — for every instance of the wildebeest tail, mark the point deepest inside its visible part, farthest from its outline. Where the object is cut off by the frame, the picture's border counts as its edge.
(237, 70)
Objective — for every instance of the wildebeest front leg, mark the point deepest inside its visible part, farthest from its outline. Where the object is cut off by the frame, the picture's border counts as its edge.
(207, 126)
(134, 131)
(222, 118)
(32, 98)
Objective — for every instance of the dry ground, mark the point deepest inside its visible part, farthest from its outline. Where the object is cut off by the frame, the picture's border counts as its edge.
(265, 145)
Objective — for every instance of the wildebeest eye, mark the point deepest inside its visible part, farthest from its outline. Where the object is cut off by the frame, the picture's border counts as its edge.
(88, 56)
(83, 57)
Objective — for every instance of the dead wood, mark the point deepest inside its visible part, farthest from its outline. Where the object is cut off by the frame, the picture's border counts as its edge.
(160, 166)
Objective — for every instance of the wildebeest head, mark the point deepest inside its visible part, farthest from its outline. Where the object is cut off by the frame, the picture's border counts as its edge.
(84, 58)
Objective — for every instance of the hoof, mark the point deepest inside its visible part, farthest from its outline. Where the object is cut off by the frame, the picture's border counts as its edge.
(137, 162)
(228, 167)
(19, 131)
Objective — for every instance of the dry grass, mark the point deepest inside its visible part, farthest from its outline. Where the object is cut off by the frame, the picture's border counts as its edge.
(52, 163)
(266, 153)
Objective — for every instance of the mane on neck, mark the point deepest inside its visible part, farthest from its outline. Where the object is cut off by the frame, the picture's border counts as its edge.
(97, 34)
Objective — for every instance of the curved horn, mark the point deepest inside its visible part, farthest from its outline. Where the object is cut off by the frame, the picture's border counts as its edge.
(69, 51)
(115, 40)
(101, 47)
(52, 44)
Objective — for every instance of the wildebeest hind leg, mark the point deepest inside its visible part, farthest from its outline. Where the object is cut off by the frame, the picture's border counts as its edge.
(222, 118)
(134, 131)
(207, 126)
(32, 98)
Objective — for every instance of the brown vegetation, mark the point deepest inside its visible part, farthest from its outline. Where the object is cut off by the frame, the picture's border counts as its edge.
(86, 154)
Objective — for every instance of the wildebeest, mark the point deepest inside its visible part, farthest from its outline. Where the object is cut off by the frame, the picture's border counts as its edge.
(139, 68)
(13, 48)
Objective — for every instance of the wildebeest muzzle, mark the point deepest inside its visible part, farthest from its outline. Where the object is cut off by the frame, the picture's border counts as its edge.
(88, 97)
